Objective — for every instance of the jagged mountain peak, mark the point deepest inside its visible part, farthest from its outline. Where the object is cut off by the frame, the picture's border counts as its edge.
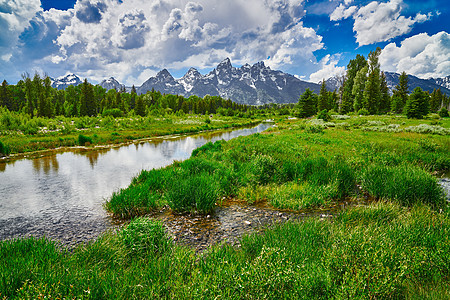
(224, 64)
(64, 81)
(164, 73)
(111, 83)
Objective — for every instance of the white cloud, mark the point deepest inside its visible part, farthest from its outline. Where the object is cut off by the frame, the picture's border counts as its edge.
(124, 38)
(421, 55)
(328, 69)
(378, 21)
(341, 12)
(15, 16)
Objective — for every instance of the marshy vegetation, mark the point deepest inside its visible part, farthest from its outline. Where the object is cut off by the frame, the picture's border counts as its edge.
(395, 247)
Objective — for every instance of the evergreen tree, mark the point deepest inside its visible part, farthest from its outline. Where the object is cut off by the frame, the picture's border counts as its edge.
(372, 93)
(5, 96)
(133, 97)
(418, 104)
(436, 100)
(28, 87)
(400, 94)
(323, 102)
(307, 104)
(385, 101)
(87, 105)
(140, 107)
(333, 100)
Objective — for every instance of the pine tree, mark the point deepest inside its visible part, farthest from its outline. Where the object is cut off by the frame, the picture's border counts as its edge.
(133, 97)
(436, 100)
(400, 94)
(140, 107)
(418, 104)
(307, 104)
(5, 96)
(322, 102)
(353, 67)
(87, 105)
(385, 101)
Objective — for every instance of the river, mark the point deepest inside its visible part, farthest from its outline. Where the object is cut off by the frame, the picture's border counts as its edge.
(61, 195)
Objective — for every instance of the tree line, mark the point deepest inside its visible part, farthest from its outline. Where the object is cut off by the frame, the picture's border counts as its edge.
(36, 97)
(364, 90)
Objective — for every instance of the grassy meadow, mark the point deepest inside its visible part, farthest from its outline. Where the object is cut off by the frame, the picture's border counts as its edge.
(397, 246)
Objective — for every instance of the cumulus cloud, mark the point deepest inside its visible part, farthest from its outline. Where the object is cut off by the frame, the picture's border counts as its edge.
(328, 68)
(102, 38)
(378, 21)
(421, 55)
(14, 18)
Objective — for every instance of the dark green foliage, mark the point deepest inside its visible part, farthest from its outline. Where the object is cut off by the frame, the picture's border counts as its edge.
(400, 94)
(436, 100)
(307, 104)
(88, 106)
(443, 113)
(4, 149)
(323, 102)
(324, 115)
(363, 112)
(140, 107)
(418, 104)
(82, 140)
(385, 100)
(145, 237)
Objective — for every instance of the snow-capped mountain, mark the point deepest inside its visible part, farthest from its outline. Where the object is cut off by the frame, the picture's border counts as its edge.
(392, 80)
(444, 82)
(255, 84)
(111, 83)
(63, 82)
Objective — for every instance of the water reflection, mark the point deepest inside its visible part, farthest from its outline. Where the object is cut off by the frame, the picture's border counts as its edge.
(77, 183)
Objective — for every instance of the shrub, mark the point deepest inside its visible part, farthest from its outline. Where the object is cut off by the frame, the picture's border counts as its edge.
(115, 113)
(144, 236)
(82, 140)
(443, 113)
(262, 169)
(324, 115)
(4, 150)
(363, 112)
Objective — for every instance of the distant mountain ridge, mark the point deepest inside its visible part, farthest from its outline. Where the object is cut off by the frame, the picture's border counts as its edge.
(254, 85)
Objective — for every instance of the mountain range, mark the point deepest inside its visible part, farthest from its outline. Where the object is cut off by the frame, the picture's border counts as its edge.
(253, 85)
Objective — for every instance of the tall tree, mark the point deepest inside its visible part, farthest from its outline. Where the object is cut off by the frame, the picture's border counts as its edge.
(385, 101)
(418, 104)
(400, 94)
(322, 102)
(140, 106)
(307, 104)
(87, 106)
(359, 85)
(436, 100)
(353, 67)
(372, 93)
(5, 96)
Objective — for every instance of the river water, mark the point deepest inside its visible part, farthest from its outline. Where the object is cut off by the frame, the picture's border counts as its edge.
(61, 195)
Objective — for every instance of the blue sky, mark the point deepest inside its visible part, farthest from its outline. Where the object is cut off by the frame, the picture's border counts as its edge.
(134, 39)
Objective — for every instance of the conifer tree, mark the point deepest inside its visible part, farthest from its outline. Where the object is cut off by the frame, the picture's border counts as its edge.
(307, 104)
(5, 96)
(323, 102)
(418, 104)
(400, 94)
(140, 107)
(436, 100)
(385, 101)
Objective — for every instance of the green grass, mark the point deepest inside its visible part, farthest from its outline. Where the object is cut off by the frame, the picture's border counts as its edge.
(294, 166)
(379, 251)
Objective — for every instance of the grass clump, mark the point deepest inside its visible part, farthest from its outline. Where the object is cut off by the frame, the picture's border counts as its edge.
(4, 149)
(407, 185)
(143, 236)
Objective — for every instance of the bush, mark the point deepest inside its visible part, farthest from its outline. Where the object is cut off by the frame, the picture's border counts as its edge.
(443, 113)
(144, 236)
(363, 112)
(324, 115)
(4, 150)
(82, 140)
(115, 113)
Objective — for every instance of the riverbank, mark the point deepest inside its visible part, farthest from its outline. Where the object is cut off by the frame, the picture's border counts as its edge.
(99, 132)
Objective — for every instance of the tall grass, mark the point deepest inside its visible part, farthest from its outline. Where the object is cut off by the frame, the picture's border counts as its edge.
(379, 251)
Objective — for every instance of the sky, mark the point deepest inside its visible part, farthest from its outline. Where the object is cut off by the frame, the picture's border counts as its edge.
(132, 40)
